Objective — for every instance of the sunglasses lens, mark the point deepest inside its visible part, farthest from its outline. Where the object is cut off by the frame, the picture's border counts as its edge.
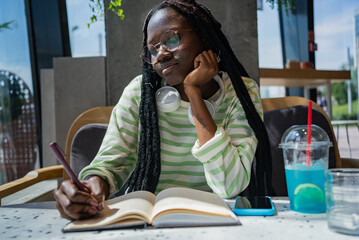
(170, 40)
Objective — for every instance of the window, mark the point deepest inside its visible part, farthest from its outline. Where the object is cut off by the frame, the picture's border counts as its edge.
(269, 46)
(336, 25)
(18, 137)
(84, 41)
(14, 42)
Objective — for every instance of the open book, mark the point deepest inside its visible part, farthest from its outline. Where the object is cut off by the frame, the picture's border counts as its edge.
(173, 207)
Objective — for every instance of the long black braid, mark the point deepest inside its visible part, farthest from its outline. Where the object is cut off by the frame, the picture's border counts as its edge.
(148, 167)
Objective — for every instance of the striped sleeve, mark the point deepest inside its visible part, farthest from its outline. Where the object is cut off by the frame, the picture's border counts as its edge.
(118, 152)
(227, 157)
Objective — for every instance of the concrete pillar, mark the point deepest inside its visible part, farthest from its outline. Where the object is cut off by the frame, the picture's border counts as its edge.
(47, 116)
(124, 38)
(74, 86)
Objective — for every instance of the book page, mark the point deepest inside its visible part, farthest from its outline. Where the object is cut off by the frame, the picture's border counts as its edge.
(186, 200)
(135, 205)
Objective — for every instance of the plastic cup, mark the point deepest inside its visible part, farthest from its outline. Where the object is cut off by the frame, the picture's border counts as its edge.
(342, 193)
(306, 183)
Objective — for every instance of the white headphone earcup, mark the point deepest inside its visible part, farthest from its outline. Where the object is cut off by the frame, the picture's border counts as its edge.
(210, 107)
(168, 99)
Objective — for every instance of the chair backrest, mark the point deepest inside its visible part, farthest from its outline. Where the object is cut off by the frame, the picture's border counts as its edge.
(282, 113)
(85, 137)
(85, 145)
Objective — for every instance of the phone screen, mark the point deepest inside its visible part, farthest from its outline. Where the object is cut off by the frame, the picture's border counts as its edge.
(253, 203)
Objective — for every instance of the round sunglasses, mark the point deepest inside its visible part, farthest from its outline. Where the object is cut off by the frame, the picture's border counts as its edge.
(169, 41)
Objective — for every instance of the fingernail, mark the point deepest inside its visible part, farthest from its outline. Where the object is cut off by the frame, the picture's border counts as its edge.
(100, 206)
(94, 204)
(92, 211)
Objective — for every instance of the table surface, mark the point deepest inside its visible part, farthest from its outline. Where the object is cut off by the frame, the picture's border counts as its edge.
(300, 77)
(42, 221)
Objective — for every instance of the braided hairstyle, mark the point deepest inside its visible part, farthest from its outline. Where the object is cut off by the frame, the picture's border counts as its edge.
(146, 173)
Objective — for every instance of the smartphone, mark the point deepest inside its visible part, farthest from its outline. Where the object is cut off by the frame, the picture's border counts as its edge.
(254, 206)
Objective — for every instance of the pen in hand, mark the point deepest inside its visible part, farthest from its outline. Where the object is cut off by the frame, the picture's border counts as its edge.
(61, 157)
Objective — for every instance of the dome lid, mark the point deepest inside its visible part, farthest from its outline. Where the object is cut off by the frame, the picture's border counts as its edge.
(296, 137)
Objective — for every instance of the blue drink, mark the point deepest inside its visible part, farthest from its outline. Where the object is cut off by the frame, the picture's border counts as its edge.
(305, 185)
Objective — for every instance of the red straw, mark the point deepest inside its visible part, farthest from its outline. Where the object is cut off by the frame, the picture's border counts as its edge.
(309, 136)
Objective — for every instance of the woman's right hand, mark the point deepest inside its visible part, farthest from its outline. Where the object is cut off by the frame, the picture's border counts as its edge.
(75, 204)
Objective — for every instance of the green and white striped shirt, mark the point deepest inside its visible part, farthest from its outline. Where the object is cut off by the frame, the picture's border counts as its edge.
(222, 165)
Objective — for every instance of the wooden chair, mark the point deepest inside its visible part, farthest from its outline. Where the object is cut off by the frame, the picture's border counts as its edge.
(270, 104)
(97, 115)
(282, 113)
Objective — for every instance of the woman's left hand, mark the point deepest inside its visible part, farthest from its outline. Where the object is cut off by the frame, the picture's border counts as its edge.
(205, 68)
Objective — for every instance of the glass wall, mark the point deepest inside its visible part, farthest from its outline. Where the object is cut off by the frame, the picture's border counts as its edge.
(85, 41)
(335, 33)
(18, 140)
(14, 42)
(269, 46)
(336, 25)
(18, 136)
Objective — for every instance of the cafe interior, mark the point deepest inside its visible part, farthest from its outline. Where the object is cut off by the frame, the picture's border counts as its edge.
(65, 64)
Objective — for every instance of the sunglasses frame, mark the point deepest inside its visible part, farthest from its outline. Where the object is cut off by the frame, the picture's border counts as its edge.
(158, 46)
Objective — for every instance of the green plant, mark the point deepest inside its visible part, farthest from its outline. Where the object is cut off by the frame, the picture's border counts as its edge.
(11, 99)
(97, 10)
(286, 4)
(341, 112)
(115, 6)
(5, 25)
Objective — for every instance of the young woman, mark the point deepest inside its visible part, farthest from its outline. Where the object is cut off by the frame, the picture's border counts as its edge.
(206, 140)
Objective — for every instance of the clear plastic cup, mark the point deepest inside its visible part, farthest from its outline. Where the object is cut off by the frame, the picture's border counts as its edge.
(305, 182)
(342, 193)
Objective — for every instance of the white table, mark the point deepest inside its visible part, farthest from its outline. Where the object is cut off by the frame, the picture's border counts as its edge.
(44, 222)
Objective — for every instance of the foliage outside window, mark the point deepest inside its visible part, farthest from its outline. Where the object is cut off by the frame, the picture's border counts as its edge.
(340, 94)
(286, 4)
(11, 96)
(6, 25)
(11, 99)
(97, 8)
